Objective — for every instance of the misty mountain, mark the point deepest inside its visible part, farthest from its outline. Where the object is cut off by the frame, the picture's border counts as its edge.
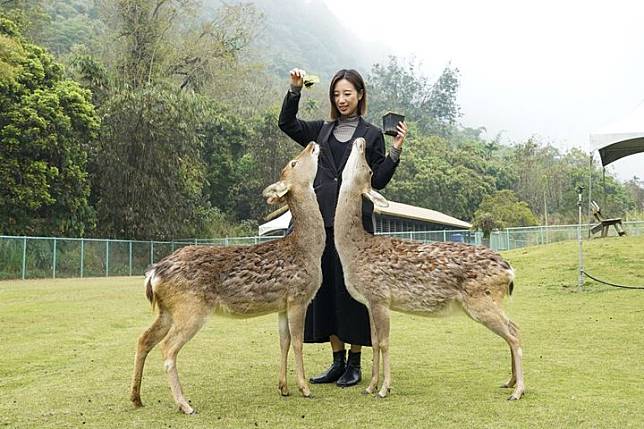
(306, 34)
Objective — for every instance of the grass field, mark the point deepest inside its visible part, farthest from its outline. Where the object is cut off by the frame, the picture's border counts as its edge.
(67, 349)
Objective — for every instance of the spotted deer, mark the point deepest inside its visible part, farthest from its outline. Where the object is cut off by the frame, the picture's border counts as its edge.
(387, 274)
(277, 276)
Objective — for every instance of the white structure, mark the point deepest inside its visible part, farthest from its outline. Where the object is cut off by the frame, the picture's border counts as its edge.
(397, 217)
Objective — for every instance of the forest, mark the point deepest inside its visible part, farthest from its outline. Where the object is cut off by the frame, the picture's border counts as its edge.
(157, 119)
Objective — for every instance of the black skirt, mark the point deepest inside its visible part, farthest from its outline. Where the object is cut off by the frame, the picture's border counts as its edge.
(333, 311)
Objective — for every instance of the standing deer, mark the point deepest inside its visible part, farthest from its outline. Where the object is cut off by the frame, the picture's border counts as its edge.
(278, 276)
(387, 274)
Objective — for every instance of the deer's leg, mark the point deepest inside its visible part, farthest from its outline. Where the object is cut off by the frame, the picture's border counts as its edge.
(487, 312)
(381, 322)
(375, 368)
(512, 381)
(285, 343)
(150, 338)
(296, 315)
(187, 322)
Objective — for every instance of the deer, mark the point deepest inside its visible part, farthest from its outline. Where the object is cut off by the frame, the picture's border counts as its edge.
(387, 274)
(279, 276)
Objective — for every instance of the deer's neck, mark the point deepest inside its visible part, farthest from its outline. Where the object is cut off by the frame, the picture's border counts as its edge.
(349, 233)
(308, 226)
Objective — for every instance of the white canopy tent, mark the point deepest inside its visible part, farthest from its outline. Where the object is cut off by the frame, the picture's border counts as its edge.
(621, 138)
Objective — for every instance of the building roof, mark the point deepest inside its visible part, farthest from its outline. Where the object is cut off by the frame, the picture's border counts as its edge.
(394, 209)
(421, 214)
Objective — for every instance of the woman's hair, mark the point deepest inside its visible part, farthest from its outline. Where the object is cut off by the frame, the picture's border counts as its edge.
(357, 82)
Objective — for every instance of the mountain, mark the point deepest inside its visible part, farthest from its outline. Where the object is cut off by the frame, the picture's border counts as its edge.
(306, 34)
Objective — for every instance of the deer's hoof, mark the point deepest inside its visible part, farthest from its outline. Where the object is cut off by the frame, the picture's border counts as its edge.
(306, 392)
(515, 396)
(384, 393)
(189, 411)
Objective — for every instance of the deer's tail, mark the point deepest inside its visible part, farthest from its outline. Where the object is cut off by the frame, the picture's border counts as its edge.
(511, 284)
(149, 291)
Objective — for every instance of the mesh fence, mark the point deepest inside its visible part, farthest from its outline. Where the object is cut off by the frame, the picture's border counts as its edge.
(48, 257)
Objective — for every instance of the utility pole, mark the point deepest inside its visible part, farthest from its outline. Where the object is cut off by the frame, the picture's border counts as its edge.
(580, 284)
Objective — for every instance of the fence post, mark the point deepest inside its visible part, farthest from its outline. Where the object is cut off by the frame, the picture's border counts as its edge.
(82, 256)
(507, 234)
(24, 257)
(107, 258)
(541, 230)
(53, 268)
(444, 235)
(151, 252)
(130, 256)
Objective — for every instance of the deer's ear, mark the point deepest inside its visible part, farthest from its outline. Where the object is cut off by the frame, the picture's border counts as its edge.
(377, 199)
(274, 193)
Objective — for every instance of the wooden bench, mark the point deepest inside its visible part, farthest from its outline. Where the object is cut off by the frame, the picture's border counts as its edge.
(604, 224)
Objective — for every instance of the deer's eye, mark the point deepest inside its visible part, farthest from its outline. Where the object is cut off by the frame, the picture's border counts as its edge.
(293, 164)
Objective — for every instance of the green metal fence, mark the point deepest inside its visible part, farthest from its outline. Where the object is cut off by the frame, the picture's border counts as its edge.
(47, 257)
(514, 238)
(51, 257)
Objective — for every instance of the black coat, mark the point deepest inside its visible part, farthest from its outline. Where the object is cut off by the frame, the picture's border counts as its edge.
(329, 175)
(333, 311)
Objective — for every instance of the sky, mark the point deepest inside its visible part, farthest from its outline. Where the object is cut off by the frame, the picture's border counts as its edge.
(553, 70)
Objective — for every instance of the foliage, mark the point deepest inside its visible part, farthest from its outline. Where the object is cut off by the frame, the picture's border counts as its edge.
(448, 183)
(219, 70)
(502, 210)
(147, 170)
(47, 125)
(401, 88)
(264, 157)
(166, 40)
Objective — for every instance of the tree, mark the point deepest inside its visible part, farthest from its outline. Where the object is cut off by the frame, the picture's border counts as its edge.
(148, 172)
(635, 187)
(166, 40)
(435, 176)
(502, 210)
(401, 88)
(47, 124)
(262, 160)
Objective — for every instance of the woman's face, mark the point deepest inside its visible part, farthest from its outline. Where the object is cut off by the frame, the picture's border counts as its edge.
(346, 97)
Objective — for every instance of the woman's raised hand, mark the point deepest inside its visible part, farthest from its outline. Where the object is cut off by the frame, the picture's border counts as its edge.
(297, 77)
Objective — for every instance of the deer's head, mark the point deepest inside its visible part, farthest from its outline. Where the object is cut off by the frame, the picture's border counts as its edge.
(356, 176)
(299, 173)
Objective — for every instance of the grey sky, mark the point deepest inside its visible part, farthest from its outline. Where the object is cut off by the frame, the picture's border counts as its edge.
(553, 69)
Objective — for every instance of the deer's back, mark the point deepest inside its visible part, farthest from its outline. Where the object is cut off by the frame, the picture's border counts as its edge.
(243, 280)
(426, 278)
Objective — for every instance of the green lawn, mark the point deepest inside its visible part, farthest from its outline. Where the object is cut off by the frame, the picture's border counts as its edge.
(67, 348)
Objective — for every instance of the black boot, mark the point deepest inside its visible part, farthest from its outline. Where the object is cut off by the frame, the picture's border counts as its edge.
(352, 375)
(334, 372)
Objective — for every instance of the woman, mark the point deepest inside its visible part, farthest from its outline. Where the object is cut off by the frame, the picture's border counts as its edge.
(334, 315)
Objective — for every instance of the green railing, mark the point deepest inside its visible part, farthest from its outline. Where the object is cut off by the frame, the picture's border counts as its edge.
(51, 257)
(47, 257)
(514, 238)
